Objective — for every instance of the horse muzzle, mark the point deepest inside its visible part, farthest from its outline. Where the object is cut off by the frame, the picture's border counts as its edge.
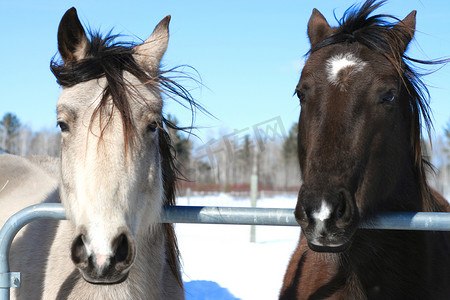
(328, 218)
(104, 269)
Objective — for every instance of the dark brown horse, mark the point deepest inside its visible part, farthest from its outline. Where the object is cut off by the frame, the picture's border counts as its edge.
(362, 109)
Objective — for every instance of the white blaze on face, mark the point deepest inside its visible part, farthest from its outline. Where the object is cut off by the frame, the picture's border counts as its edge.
(341, 62)
(323, 213)
(320, 216)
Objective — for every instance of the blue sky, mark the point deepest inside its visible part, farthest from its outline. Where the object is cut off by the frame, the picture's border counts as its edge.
(248, 53)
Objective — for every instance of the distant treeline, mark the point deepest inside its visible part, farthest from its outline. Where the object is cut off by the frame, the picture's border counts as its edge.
(225, 163)
(19, 139)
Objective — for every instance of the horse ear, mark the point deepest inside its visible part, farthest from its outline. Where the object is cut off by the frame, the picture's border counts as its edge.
(405, 29)
(150, 53)
(318, 28)
(72, 40)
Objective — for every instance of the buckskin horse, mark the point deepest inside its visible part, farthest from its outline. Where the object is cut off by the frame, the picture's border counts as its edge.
(115, 174)
(359, 149)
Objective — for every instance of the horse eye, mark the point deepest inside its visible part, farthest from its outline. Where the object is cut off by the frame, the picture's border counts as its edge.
(63, 126)
(300, 95)
(152, 127)
(389, 97)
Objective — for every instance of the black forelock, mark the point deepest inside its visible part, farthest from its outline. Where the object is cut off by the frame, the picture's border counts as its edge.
(356, 25)
(104, 57)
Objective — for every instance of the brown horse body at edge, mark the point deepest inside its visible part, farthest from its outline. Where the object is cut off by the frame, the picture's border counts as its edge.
(360, 154)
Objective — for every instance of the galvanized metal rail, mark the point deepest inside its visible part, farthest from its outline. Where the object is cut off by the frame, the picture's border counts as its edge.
(8, 232)
(285, 217)
(205, 215)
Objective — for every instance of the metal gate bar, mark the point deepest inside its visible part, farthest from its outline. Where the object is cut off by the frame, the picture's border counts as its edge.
(9, 231)
(205, 215)
(435, 221)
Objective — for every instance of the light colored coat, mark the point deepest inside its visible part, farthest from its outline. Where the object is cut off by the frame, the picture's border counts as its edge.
(112, 184)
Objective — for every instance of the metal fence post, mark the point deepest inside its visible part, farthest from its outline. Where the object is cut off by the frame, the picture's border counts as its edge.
(253, 198)
(8, 232)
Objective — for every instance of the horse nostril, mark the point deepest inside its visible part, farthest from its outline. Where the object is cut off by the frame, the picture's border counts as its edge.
(300, 215)
(345, 212)
(122, 249)
(78, 251)
(342, 206)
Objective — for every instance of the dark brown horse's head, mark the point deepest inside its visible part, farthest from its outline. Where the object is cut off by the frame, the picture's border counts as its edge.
(359, 127)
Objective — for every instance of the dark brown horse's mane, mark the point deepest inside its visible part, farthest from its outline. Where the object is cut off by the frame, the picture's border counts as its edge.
(110, 59)
(382, 36)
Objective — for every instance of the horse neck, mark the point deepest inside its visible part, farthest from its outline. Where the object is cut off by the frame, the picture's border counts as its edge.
(410, 187)
(407, 195)
(145, 276)
(384, 250)
(150, 243)
(158, 264)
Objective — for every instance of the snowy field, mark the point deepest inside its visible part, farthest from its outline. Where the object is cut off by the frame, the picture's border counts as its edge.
(220, 263)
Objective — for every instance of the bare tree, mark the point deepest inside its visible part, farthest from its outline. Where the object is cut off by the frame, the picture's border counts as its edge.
(24, 140)
(46, 142)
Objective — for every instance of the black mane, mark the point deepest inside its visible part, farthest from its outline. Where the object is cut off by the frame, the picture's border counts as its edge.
(356, 26)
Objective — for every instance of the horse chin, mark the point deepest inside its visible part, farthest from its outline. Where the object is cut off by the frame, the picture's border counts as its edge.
(330, 248)
(104, 281)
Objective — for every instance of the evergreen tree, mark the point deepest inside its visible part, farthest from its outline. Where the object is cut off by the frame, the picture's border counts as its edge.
(445, 169)
(182, 146)
(10, 128)
(290, 143)
(244, 160)
(290, 153)
(447, 132)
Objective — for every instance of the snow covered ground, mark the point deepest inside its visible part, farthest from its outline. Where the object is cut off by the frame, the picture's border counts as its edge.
(217, 258)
